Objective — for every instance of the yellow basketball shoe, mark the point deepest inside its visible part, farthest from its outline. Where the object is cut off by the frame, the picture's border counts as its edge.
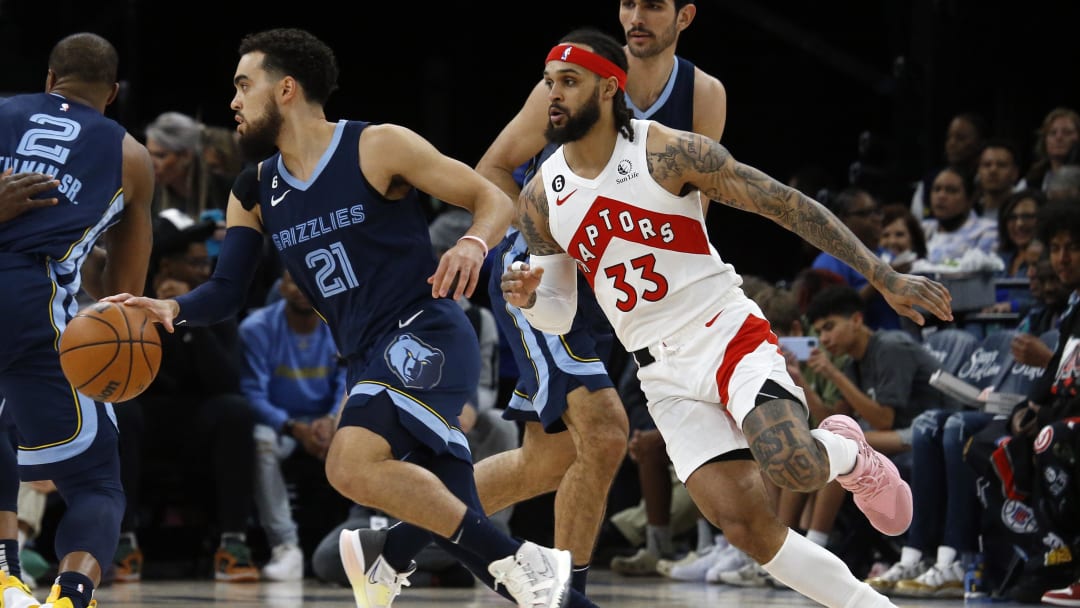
(55, 601)
(14, 594)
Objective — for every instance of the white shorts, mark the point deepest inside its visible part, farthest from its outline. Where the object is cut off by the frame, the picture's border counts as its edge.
(706, 377)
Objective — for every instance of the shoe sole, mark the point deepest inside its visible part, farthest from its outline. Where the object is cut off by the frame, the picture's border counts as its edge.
(1053, 601)
(563, 568)
(352, 557)
(890, 527)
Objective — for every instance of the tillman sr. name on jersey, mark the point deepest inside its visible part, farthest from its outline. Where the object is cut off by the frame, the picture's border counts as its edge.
(69, 184)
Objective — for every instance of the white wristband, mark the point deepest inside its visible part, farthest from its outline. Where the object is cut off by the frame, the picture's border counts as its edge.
(478, 240)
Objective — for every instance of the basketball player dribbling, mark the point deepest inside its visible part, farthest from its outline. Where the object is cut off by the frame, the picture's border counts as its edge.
(104, 182)
(340, 203)
(623, 201)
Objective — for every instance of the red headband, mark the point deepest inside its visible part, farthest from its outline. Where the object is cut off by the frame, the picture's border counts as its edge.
(588, 60)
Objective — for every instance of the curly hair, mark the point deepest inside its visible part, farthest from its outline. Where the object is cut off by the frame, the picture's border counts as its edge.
(297, 53)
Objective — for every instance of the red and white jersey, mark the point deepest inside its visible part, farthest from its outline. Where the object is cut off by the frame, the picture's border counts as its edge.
(644, 250)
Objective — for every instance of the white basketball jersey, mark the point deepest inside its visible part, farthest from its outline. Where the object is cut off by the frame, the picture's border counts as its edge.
(644, 250)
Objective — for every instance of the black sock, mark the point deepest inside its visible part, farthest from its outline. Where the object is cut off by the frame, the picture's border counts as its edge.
(578, 576)
(477, 534)
(76, 587)
(9, 557)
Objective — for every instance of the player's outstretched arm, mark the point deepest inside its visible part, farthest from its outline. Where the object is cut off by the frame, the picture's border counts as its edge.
(690, 158)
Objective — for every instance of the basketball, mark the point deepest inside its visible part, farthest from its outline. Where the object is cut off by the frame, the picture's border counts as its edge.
(110, 352)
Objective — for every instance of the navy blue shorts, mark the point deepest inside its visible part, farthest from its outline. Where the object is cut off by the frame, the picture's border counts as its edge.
(549, 366)
(428, 369)
(59, 430)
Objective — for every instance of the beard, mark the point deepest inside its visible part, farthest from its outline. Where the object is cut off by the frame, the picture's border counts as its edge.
(660, 42)
(259, 140)
(577, 125)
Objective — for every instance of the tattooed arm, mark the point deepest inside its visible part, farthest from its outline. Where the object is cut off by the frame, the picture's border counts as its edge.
(679, 159)
(545, 288)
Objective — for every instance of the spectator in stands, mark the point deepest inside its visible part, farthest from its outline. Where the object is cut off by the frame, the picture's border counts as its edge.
(182, 179)
(1016, 230)
(963, 141)
(1012, 456)
(996, 177)
(1049, 300)
(295, 380)
(902, 238)
(861, 212)
(1054, 142)
(1018, 249)
(955, 227)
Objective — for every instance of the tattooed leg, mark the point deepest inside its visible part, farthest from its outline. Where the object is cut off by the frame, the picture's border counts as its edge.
(781, 442)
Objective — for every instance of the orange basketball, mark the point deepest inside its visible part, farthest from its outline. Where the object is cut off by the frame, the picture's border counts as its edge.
(110, 352)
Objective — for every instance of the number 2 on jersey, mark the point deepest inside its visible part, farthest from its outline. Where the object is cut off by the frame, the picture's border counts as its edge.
(646, 267)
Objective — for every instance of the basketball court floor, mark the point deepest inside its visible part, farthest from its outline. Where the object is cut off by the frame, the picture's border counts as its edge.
(606, 589)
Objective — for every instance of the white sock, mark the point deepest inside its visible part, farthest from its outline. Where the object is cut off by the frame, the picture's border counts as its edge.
(704, 534)
(909, 556)
(818, 537)
(22, 539)
(841, 450)
(945, 555)
(658, 540)
(821, 576)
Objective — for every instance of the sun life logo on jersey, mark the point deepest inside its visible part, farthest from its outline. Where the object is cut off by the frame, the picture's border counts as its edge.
(626, 169)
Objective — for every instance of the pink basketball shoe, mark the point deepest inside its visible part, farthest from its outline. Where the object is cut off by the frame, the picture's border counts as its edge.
(875, 482)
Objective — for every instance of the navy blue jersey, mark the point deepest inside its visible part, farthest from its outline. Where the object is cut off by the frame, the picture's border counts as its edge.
(359, 257)
(675, 106)
(83, 150)
(60, 431)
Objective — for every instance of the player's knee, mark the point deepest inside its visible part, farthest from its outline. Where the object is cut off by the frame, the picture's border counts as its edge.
(96, 505)
(345, 478)
(605, 446)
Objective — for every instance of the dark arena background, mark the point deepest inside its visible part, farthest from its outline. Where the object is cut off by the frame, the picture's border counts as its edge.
(832, 89)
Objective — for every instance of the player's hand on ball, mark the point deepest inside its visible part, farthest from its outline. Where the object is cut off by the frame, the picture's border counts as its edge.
(159, 311)
(519, 284)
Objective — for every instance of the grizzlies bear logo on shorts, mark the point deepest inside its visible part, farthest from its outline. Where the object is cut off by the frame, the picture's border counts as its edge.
(415, 363)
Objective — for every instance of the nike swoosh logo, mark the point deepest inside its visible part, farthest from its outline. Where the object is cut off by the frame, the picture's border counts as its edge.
(561, 200)
(275, 200)
(371, 572)
(401, 323)
(713, 320)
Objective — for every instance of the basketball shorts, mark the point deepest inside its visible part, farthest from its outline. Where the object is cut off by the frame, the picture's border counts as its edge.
(549, 366)
(702, 380)
(428, 369)
(59, 431)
